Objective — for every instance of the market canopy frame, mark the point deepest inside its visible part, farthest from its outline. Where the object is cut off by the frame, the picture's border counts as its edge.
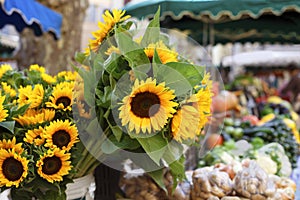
(223, 21)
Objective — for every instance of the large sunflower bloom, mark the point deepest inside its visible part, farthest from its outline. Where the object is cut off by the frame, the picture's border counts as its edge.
(165, 54)
(110, 19)
(13, 168)
(33, 96)
(8, 90)
(4, 68)
(11, 144)
(148, 107)
(54, 164)
(32, 117)
(61, 98)
(61, 134)
(35, 136)
(3, 112)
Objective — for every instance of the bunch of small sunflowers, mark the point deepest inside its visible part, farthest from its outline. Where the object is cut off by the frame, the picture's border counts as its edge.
(40, 150)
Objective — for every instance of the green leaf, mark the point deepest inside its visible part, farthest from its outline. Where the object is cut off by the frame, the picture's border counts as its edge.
(152, 32)
(137, 58)
(80, 57)
(117, 131)
(125, 41)
(158, 177)
(8, 125)
(125, 143)
(177, 170)
(154, 146)
(192, 73)
(181, 77)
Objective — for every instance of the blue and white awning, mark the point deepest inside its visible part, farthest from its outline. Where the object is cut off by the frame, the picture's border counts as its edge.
(30, 13)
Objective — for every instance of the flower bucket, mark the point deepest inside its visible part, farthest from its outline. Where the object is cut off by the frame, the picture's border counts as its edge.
(82, 189)
(107, 182)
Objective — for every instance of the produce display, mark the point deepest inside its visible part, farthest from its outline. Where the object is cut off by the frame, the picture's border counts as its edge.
(213, 183)
(275, 130)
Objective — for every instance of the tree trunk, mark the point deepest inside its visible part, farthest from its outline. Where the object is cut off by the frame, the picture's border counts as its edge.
(55, 55)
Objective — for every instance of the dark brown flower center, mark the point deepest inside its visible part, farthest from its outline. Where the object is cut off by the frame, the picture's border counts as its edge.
(145, 104)
(66, 101)
(12, 169)
(61, 138)
(52, 165)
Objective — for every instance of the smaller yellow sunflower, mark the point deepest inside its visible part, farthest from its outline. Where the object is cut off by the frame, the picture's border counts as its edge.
(11, 144)
(83, 109)
(67, 75)
(112, 49)
(48, 78)
(4, 68)
(185, 123)
(65, 84)
(148, 107)
(54, 164)
(165, 54)
(33, 96)
(3, 112)
(8, 89)
(35, 136)
(36, 67)
(13, 168)
(32, 116)
(61, 99)
(110, 19)
(61, 134)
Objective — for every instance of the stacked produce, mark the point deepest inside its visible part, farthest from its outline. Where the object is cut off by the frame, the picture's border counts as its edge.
(218, 182)
(142, 187)
(275, 130)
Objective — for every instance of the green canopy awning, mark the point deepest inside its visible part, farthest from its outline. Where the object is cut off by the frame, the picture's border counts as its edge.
(225, 21)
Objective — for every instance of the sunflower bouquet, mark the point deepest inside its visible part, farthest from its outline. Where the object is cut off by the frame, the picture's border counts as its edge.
(147, 102)
(40, 150)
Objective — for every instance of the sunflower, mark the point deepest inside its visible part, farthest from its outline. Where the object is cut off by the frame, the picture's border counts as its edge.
(65, 84)
(165, 54)
(67, 75)
(84, 109)
(13, 168)
(11, 144)
(111, 50)
(48, 78)
(185, 123)
(61, 134)
(4, 68)
(110, 19)
(54, 164)
(8, 90)
(36, 67)
(189, 120)
(32, 117)
(148, 107)
(34, 96)
(202, 100)
(35, 136)
(62, 98)
(3, 112)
